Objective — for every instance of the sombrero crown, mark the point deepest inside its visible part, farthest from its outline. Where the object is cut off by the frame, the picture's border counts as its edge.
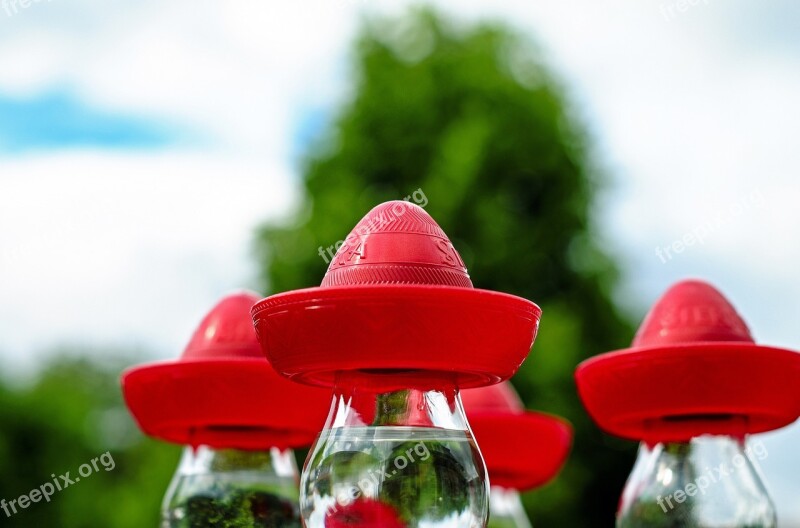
(397, 298)
(222, 392)
(522, 449)
(691, 312)
(693, 369)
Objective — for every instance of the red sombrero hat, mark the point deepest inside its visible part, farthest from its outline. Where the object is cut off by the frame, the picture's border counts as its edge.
(693, 369)
(222, 392)
(522, 449)
(397, 299)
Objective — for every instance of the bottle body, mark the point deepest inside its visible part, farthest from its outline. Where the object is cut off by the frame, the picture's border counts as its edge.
(706, 482)
(401, 458)
(231, 487)
(505, 509)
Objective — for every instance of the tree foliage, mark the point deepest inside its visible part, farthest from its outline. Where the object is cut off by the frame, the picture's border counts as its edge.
(69, 415)
(470, 118)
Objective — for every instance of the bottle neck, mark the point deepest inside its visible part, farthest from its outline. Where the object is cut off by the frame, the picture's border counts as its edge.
(205, 460)
(396, 451)
(242, 485)
(708, 481)
(359, 404)
(505, 509)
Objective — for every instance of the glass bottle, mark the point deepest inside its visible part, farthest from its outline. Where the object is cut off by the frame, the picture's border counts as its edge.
(233, 487)
(505, 509)
(394, 458)
(709, 481)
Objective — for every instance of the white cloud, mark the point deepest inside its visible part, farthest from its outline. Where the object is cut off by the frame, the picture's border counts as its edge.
(116, 248)
(236, 70)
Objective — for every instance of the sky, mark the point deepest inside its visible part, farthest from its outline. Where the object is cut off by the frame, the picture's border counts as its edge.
(142, 142)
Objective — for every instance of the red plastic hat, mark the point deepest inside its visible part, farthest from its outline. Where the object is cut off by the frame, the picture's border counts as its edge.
(222, 392)
(397, 299)
(693, 369)
(522, 449)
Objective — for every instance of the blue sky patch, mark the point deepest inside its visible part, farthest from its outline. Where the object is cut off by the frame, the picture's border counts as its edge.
(58, 120)
(309, 124)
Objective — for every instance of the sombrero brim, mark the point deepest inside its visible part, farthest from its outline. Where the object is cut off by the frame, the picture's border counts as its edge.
(474, 337)
(677, 392)
(238, 403)
(522, 451)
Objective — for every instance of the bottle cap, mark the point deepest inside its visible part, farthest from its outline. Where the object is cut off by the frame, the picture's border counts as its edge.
(522, 449)
(222, 392)
(693, 369)
(397, 302)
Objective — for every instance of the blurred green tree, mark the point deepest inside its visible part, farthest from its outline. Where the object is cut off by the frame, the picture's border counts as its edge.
(70, 414)
(470, 118)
